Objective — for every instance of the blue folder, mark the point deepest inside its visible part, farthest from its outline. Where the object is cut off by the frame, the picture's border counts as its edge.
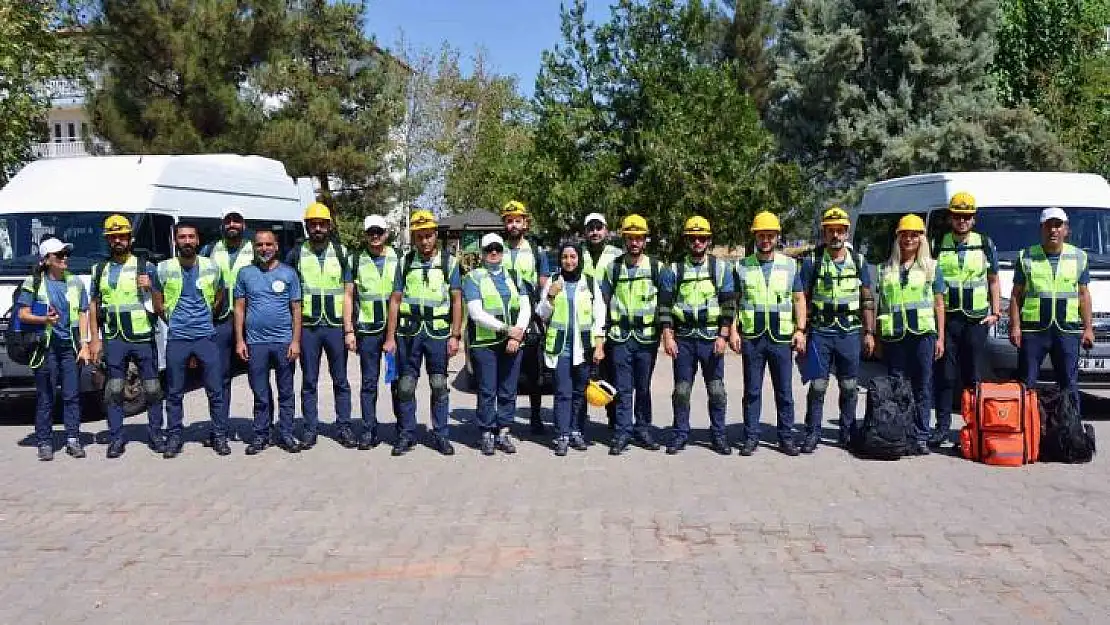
(809, 364)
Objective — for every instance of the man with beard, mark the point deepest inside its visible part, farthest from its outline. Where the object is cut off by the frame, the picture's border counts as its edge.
(187, 290)
(231, 253)
(838, 288)
(529, 269)
(120, 286)
(696, 303)
(322, 265)
(597, 256)
(772, 319)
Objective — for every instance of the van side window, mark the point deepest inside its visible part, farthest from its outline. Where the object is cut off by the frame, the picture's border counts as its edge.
(152, 235)
(208, 229)
(294, 231)
(163, 235)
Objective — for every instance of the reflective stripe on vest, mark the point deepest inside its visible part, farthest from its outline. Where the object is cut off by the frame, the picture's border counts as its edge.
(169, 274)
(1052, 297)
(696, 308)
(632, 305)
(426, 302)
(908, 308)
(73, 299)
(767, 305)
(966, 280)
(322, 286)
(523, 267)
(835, 299)
(230, 272)
(492, 303)
(597, 271)
(373, 289)
(559, 325)
(122, 311)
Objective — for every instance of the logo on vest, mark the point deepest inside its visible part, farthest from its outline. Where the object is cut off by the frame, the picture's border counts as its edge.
(278, 286)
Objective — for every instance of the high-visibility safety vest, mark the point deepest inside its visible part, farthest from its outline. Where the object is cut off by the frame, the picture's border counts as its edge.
(767, 304)
(321, 286)
(426, 300)
(492, 303)
(906, 308)
(523, 268)
(74, 287)
(633, 301)
(597, 270)
(966, 280)
(121, 308)
(373, 288)
(169, 274)
(696, 307)
(1052, 297)
(560, 324)
(835, 297)
(230, 270)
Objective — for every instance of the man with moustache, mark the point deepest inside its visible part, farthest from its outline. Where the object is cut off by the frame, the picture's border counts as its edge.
(187, 290)
(120, 286)
(597, 255)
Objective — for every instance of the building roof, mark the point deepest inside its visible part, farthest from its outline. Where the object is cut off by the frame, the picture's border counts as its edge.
(472, 220)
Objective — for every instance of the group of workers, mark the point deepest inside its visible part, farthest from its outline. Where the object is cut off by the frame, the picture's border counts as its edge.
(602, 314)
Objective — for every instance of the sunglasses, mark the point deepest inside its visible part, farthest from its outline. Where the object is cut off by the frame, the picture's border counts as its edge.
(376, 231)
(64, 254)
(962, 217)
(910, 234)
(594, 225)
(494, 249)
(699, 238)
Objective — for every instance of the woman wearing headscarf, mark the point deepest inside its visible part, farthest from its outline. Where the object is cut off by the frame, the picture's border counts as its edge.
(575, 315)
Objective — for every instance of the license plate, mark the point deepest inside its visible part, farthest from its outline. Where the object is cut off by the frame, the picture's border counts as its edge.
(1094, 364)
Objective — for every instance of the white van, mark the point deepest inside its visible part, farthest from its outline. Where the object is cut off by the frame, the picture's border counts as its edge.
(1009, 213)
(70, 199)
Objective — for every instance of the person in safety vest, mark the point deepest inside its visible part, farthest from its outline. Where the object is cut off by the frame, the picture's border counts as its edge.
(631, 291)
(498, 317)
(911, 318)
(1050, 306)
(529, 268)
(425, 323)
(326, 322)
(374, 269)
(697, 299)
(231, 253)
(841, 306)
(969, 262)
(121, 288)
(574, 341)
(55, 298)
(187, 292)
(597, 256)
(268, 337)
(771, 314)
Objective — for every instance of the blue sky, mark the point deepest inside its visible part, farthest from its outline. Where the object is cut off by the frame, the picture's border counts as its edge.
(513, 32)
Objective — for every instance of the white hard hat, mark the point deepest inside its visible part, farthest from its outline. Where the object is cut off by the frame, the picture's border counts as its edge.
(52, 246)
(374, 220)
(492, 238)
(595, 217)
(232, 210)
(1053, 212)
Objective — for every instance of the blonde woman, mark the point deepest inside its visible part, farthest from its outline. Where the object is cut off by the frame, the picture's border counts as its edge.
(911, 318)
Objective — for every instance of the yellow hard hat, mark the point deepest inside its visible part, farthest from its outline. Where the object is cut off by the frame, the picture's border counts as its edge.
(513, 208)
(962, 203)
(910, 223)
(835, 216)
(317, 210)
(697, 225)
(634, 224)
(422, 220)
(117, 224)
(766, 221)
(599, 393)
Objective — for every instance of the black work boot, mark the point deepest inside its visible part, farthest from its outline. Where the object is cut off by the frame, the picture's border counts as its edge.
(289, 444)
(561, 445)
(115, 448)
(809, 445)
(368, 440)
(788, 446)
(75, 448)
(174, 446)
(308, 440)
(720, 445)
(346, 436)
(257, 446)
(677, 444)
(488, 445)
(578, 442)
(505, 442)
(646, 440)
(619, 444)
(46, 452)
(749, 447)
(219, 444)
(404, 445)
(157, 442)
(443, 445)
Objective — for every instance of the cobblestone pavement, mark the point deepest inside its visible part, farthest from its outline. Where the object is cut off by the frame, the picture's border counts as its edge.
(336, 535)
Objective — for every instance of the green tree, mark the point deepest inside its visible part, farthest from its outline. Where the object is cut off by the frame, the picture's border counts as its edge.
(748, 34)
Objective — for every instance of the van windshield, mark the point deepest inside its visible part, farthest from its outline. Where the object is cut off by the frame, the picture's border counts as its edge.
(1015, 228)
(20, 234)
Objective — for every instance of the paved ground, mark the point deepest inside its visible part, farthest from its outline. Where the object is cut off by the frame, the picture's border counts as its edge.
(336, 535)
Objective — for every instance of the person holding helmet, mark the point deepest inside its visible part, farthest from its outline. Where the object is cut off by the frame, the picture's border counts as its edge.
(969, 263)
(574, 310)
(498, 317)
(374, 269)
(1050, 306)
(772, 320)
(697, 304)
(231, 254)
(911, 318)
(425, 311)
(631, 291)
(121, 287)
(838, 290)
(327, 326)
(597, 256)
(63, 347)
(529, 269)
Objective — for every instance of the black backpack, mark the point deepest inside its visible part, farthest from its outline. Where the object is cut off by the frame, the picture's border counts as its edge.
(886, 432)
(21, 344)
(1064, 437)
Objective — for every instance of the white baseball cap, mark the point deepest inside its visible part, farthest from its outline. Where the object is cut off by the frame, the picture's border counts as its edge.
(52, 246)
(232, 210)
(595, 217)
(374, 220)
(492, 238)
(1053, 212)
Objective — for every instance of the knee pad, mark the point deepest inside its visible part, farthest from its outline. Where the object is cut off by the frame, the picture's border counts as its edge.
(849, 387)
(113, 391)
(152, 391)
(718, 396)
(438, 383)
(405, 388)
(818, 387)
(681, 394)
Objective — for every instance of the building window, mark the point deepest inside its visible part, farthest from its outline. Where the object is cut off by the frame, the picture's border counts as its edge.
(57, 133)
(72, 128)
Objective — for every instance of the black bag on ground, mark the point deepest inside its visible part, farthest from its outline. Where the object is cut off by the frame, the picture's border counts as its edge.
(1064, 436)
(21, 345)
(886, 431)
